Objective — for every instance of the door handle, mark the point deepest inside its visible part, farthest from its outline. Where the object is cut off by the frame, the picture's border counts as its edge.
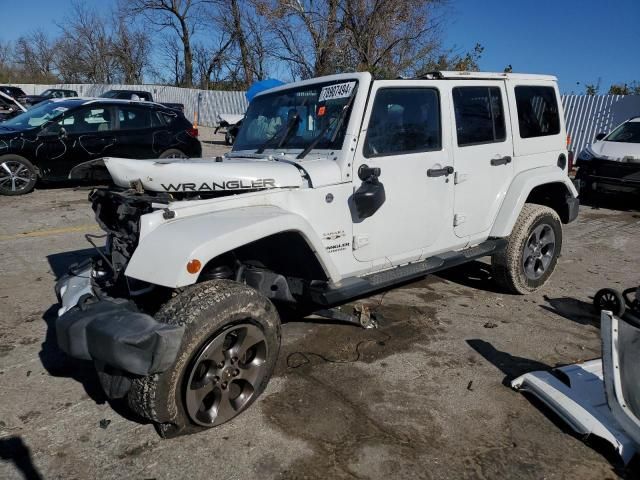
(439, 172)
(500, 161)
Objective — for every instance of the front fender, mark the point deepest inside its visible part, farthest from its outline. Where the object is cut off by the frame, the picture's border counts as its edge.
(520, 188)
(162, 255)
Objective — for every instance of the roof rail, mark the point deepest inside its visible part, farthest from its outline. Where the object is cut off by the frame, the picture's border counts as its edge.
(466, 75)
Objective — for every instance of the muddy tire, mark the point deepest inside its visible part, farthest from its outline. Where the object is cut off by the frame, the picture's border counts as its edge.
(173, 153)
(18, 176)
(532, 250)
(228, 353)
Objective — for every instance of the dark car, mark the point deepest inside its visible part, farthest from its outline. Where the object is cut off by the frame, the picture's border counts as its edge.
(48, 95)
(14, 92)
(50, 139)
(139, 95)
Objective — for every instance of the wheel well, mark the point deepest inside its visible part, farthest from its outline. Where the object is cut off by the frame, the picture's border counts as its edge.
(285, 253)
(552, 195)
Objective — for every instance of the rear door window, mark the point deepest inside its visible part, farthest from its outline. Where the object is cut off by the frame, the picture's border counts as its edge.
(132, 118)
(479, 115)
(403, 120)
(537, 111)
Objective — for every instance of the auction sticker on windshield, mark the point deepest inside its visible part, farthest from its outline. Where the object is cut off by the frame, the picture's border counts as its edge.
(340, 90)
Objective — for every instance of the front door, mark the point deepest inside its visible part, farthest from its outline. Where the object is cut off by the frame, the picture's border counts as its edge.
(403, 135)
(483, 149)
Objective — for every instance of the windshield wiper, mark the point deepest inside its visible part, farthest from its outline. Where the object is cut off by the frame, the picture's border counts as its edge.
(293, 122)
(339, 119)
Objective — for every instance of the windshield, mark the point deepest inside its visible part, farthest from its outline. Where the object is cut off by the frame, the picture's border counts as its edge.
(317, 106)
(110, 94)
(628, 132)
(39, 114)
(46, 93)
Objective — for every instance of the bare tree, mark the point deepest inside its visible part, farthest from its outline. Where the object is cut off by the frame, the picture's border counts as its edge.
(385, 37)
(307, 33)
(35, 54)
(181, 16)
(86, 48)
(130, 48)
(172, 60)
(391, 38)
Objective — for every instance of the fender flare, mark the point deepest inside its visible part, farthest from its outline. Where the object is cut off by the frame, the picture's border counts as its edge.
(520, 188)
(162, 255)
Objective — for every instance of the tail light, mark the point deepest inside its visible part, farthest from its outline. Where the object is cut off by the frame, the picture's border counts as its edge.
(192, 132)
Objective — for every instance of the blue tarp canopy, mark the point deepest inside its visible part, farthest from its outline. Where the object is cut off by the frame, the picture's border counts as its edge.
(261, 86)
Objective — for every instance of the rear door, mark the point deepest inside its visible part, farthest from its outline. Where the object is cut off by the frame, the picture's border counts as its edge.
(136, 132)
(405, 136)
(483, 151)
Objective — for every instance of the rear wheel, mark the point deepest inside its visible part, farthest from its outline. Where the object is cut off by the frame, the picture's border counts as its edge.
(17, 175)
(532, 251)
(228, 353)
(173, 153)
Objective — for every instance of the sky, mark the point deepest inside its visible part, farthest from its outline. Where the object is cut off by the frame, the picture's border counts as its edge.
(579, 41)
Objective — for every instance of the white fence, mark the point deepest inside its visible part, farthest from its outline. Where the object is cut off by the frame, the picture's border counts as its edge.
(587, 115)
(212, 102)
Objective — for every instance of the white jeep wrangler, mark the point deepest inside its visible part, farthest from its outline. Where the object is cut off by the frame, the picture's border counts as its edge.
(336, 187)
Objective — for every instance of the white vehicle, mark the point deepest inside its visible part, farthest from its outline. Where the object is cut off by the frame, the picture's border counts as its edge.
(612, 162)
(336, 187)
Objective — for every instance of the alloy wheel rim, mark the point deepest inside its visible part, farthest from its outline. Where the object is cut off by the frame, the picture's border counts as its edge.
(539, 250)
(226, 375)
(14, 175)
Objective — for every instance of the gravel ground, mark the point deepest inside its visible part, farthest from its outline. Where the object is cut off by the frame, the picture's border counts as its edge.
(422, 397)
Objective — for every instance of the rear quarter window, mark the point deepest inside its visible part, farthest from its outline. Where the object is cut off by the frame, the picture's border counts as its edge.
(538, 114)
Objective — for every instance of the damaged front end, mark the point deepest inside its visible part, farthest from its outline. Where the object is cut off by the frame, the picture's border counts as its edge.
(107, 317)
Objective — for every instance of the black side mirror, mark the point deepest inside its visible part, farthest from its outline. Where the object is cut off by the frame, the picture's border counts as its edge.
(371, 195)
(600, 136)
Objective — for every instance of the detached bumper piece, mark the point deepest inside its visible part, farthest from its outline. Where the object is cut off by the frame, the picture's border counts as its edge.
(112, 332)
(598, 397)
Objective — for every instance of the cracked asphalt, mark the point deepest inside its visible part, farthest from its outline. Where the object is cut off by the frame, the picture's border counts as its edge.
(423, 396)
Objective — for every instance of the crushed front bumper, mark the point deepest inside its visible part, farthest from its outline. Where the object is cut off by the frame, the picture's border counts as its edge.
(111, 331)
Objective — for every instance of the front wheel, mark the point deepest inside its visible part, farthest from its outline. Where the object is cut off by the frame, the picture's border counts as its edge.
(532, 250)
(228, 353)
(17, 175)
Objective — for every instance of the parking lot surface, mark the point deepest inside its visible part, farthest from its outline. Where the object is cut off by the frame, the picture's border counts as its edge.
(424, 396)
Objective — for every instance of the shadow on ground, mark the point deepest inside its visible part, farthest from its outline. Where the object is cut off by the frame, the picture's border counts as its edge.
(14, 450)
(476, 275)
(61, 262)
(511, 365)
(625, 202)
(573, 309)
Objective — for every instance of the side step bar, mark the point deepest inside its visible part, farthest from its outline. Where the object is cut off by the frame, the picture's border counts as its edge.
(352, 288)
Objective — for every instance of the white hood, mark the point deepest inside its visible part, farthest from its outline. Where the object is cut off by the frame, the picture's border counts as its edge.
(615, 151)
(204, 175)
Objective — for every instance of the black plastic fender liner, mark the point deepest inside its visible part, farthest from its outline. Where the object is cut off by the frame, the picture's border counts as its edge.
(115, 333)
